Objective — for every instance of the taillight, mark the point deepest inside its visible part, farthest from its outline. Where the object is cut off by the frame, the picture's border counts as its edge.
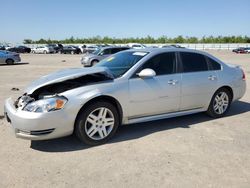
(243, 75)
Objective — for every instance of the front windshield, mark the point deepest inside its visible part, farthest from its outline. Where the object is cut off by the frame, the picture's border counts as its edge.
(121, 62)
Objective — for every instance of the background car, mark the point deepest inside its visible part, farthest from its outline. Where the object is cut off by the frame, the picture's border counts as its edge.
(93, 58)
(70, 50)
(5, 47)
(247, 50)
(43, 50)
(9, 57)
(172, 46)
(240, 50)
(56, 47)
(89, 49)
(20, 49)
(136, 45)
(2, 47)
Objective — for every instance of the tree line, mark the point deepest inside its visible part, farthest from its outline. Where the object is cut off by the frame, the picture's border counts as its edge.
(144, 40)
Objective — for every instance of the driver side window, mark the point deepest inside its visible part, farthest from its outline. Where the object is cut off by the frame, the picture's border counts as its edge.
(105, 52)
(162, 64)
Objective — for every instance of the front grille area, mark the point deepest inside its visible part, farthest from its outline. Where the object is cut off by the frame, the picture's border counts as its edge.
(37, 133)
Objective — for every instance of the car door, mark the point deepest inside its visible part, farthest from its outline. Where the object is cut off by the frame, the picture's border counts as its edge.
(159, 94)
(198, 81)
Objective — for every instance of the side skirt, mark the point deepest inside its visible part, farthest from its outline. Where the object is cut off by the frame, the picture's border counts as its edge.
(163, 116)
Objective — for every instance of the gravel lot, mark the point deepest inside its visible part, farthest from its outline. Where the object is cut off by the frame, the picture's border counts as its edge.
(190, 151)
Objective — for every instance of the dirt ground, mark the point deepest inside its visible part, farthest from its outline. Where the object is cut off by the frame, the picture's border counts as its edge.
(190, 151)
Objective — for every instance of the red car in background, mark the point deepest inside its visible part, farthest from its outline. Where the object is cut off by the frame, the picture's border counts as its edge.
(241, 50)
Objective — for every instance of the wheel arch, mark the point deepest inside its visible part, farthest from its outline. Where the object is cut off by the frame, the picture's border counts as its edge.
(9, 59)
(106, 98)
(92, 60)
(229, 88)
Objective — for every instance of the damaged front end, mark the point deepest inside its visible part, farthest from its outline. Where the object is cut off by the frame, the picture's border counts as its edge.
(45, 95)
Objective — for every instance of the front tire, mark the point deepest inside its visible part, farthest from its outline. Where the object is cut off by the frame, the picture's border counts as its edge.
(220, 103)
(97, 123)
(10, 62)
(94, 62)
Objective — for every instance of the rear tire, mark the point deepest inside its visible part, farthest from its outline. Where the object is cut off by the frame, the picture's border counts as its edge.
(10, 62)
(72, 52)
(220, 103)
(97, 123)
(45, 52)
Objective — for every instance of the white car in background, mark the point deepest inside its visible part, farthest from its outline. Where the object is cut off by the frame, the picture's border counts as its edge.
(42, 50)
(136, 45)
(247, 50)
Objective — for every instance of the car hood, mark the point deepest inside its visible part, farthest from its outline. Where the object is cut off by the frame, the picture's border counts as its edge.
(66, 74)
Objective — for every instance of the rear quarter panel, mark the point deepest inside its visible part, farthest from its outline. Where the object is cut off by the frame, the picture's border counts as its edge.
(232, 76)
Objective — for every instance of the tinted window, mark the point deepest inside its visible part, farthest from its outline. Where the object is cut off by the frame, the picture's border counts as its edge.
(193, 62)
(213, 64)
(106, 51)
(115, 50)
(161, 64)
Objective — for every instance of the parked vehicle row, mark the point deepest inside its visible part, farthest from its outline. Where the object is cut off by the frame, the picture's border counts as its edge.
(20, 49)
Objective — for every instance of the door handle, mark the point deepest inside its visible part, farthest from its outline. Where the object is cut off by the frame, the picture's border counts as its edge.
(172, 82)
(212, 77)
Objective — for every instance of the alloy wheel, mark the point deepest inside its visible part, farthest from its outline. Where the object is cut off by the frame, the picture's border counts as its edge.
(221, 102)
(99, 123)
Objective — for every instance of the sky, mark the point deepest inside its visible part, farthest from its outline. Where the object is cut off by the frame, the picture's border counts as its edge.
(60, 19)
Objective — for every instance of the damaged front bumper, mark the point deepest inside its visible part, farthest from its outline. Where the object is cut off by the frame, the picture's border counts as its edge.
(38, 126)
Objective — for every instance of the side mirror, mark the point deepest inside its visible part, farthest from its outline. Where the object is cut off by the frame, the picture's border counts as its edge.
(146, 73)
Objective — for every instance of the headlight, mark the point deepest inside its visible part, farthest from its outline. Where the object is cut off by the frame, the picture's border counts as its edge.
(85, 58)
(46, 105)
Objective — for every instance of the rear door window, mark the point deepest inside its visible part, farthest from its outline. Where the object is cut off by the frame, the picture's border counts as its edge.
(106, 52)
(193, 62)
(213, 65)
(115, 50)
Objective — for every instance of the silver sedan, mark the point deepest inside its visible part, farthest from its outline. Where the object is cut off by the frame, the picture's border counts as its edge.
(9, 58)
(132, 86)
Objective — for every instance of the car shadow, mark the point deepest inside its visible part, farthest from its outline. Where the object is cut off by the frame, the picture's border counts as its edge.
(24, 63)
(135, 131)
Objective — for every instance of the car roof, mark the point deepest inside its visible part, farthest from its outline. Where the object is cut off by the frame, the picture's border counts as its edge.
(114, 47)
(156, 50)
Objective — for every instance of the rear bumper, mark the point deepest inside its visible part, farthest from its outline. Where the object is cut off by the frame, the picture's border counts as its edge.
(17, 59)
(240, 90)
(38, 126)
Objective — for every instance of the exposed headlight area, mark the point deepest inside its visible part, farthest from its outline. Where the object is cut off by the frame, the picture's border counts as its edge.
(85, 58)
(46, 104)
